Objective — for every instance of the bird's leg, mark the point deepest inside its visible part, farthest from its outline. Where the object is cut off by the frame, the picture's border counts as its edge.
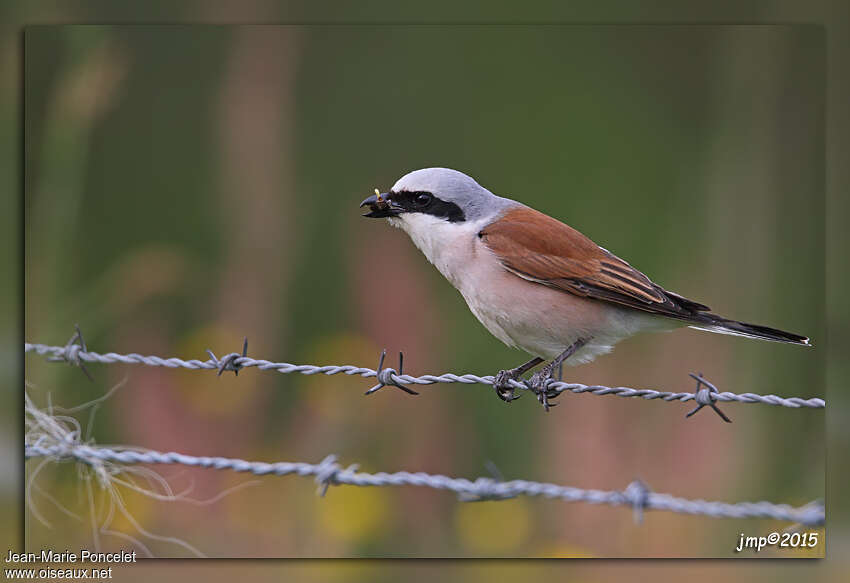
(540, 380)
(502, 380)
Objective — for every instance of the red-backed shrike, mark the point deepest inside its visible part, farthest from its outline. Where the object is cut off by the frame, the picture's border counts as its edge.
(534, 282)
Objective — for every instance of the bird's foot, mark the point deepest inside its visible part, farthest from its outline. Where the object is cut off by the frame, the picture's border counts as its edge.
(502, 384)
(540, 381)
(539, 385)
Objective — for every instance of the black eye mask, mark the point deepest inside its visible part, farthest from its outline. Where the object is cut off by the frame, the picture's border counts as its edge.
(426, 203)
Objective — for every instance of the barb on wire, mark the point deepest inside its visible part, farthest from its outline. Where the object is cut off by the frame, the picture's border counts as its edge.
(636, 495)
(388, 376)
(328, 472)
(70, 353)
(703, 397)
(228, 361)
(484, 487)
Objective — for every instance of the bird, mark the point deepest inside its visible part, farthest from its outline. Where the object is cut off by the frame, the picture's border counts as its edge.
(534, 282)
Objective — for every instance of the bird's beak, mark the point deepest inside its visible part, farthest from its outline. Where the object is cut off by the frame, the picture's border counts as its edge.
(380, 206)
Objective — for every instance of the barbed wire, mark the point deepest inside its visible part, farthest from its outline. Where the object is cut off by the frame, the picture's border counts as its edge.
(60, 439)
(707, 395)
(328, 472)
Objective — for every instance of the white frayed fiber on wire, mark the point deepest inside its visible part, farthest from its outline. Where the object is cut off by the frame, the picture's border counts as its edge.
(59, 438)
(48, 437)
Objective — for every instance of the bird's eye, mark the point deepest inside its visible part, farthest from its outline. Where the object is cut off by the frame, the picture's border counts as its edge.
(423, 199)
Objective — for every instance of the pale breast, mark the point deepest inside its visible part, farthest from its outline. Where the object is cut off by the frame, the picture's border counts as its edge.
(541, 320)
(536, 318)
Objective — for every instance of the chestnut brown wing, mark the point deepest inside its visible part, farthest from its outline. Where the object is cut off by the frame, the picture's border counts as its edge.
(538, 248)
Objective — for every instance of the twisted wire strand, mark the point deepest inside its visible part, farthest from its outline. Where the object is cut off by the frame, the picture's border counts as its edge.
(329, 472)
(74, 353)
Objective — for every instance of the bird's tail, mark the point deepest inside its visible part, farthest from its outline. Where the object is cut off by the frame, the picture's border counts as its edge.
(723, 326)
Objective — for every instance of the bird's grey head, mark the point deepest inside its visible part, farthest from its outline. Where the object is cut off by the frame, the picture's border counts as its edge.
(440, 192)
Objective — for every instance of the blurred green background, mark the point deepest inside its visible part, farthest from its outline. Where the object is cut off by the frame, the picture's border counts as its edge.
(189, 185)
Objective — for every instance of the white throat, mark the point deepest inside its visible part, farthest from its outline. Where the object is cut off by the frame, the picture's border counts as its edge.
(446, 245)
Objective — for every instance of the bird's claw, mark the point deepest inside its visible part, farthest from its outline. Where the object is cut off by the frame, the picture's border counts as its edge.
(539, 385)
(502, 385)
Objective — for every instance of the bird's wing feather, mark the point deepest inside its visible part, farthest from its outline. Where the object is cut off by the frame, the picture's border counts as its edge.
(538, 248)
